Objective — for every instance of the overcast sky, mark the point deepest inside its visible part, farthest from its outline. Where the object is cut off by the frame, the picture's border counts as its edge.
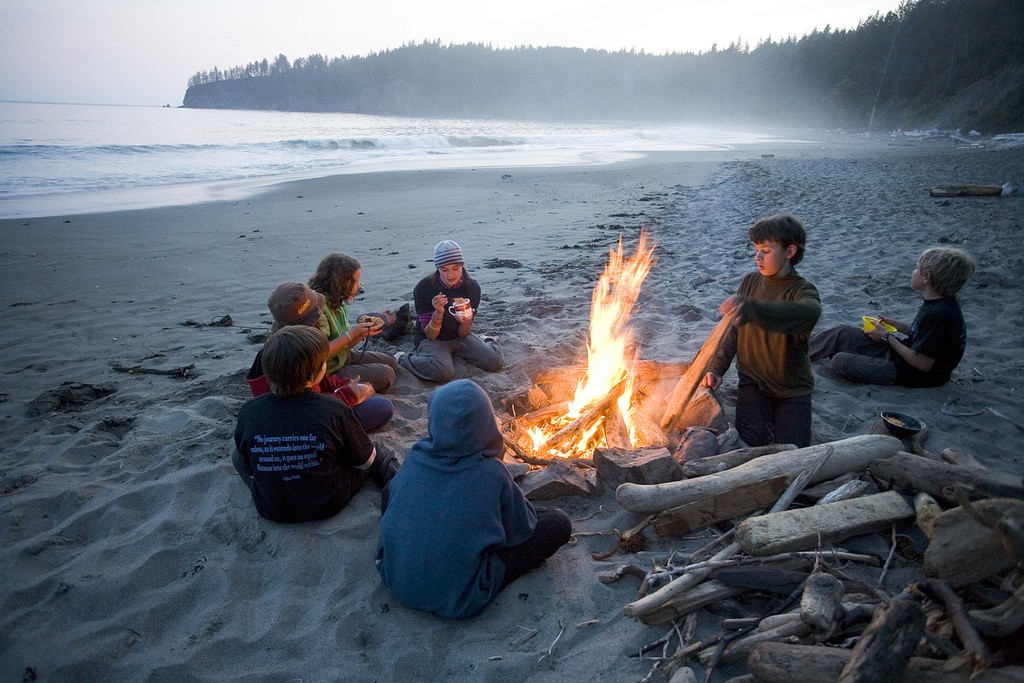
(144, 51)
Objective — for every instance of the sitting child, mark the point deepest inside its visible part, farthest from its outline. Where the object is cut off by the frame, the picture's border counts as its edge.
(293, 303)
(457, 529)
(934, 342)
(302, 454)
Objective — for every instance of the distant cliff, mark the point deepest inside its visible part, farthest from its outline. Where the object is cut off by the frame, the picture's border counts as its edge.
(945, 63)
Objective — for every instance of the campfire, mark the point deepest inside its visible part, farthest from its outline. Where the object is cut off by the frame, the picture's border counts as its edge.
(606, 407)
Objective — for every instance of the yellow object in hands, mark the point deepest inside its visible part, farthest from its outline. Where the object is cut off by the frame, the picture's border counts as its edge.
(871, 322)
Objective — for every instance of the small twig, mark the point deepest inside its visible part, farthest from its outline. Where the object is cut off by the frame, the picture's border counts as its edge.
(551, 650)
(888, 560)
(530, 633)
(599, 510)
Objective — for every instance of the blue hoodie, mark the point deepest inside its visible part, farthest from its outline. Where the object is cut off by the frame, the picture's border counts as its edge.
(451, 505)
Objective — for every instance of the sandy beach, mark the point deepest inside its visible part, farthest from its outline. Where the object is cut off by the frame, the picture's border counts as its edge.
(130, 549)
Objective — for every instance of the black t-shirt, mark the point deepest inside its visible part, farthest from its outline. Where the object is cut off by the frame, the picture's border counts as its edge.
(938, 332)
(304, 453)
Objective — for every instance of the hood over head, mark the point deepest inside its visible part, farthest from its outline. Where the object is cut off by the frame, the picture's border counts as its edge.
(461, 423)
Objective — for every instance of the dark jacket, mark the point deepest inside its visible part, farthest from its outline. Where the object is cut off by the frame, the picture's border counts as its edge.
(451, 506)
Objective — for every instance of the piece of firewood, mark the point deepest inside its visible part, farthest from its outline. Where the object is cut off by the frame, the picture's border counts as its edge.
(703, 595)
(963, 550)
(792, 627)
(927, 512)
(616, 435)
(957, 456)
(734, 458)
(883, 651)
(719, 507)
(915, 473)
(691, 379)
(821, 525)
(845, 491)
(973, 643)
(821, 605)
(847, 455)
(785, 663)
(589, 414)
(1002, 620)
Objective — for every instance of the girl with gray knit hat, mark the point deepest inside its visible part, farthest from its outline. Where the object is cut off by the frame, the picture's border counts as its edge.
(446, 303)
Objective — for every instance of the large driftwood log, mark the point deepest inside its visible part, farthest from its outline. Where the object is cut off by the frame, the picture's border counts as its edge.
(785, 663)
(852, 454)
(916, 473)
(726, 461)
(691, 379)
(717, 508)
(963, 550)
(821, 525)
(883, 651)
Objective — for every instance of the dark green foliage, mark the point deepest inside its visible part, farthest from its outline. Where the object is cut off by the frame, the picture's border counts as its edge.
(945, 63)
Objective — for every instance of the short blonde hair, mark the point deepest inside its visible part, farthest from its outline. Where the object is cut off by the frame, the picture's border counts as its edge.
(946, 268)
(292, 357)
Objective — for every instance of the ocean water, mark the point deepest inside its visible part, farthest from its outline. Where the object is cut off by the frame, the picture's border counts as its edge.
(66, 158)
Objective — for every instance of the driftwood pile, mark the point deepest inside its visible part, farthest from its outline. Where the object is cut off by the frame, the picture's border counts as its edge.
(938, 594)
(955, 528)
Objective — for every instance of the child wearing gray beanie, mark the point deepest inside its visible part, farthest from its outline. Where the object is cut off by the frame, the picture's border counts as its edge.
(446, 305)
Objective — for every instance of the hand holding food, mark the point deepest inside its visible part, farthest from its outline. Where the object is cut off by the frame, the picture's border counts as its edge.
(373, 321)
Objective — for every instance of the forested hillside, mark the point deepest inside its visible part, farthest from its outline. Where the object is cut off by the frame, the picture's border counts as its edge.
(945, 63)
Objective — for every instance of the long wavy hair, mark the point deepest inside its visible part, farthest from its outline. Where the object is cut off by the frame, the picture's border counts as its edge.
(334, 278)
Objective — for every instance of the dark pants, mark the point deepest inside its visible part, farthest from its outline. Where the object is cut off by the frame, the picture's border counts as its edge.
(553, 531)
(762, 419)
(855, 357)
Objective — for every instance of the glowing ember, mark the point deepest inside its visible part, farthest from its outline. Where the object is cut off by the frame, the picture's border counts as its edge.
(610, 355)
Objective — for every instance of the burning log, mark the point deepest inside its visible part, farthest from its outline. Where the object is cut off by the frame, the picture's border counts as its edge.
(689, 382)
(809, 528)
(616, 434)
(848, 455)
(544, 413)
(586, 418)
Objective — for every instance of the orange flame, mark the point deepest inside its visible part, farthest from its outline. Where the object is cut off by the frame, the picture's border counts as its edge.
(610, 351)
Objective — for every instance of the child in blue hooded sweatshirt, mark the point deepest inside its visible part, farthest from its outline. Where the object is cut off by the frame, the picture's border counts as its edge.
(456, 528)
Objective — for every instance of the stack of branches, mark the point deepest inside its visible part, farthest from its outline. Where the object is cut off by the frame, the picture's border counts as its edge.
(953, 611)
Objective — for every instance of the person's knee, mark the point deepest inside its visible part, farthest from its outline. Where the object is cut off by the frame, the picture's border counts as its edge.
(847, 366)
(557, 522)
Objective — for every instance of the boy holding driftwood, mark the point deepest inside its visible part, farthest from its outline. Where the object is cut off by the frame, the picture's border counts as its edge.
(933, 344)
(774, 311)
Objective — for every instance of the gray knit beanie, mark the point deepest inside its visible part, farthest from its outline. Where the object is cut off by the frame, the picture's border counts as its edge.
(447, 252)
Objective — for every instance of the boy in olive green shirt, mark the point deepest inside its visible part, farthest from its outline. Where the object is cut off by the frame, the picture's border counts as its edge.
(776, 309)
